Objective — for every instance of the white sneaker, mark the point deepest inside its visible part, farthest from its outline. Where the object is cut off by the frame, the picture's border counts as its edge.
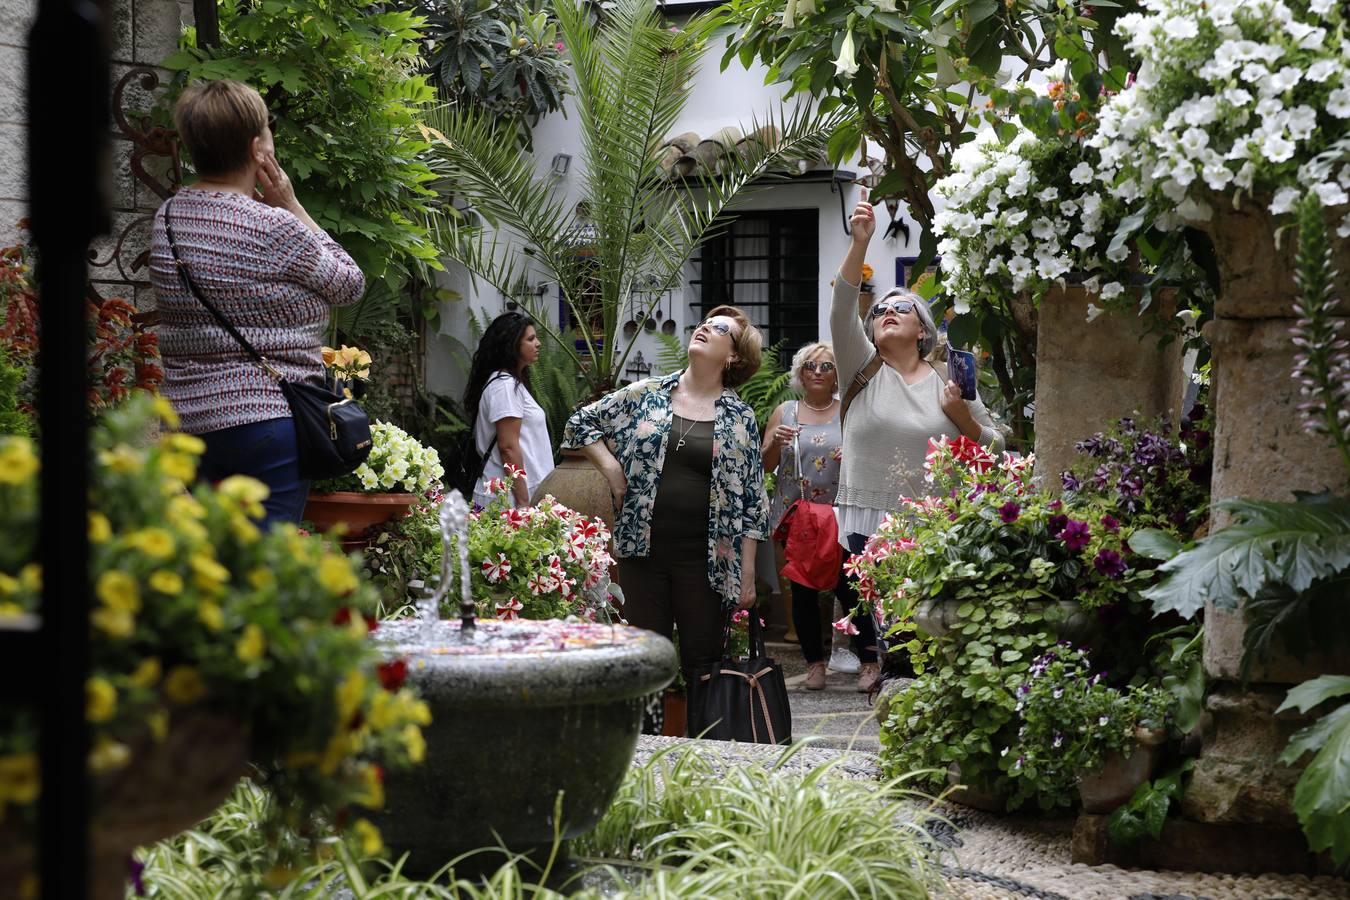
(843, 660)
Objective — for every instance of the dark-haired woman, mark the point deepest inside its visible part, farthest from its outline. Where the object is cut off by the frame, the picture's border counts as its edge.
(510, 427)
(681, 455)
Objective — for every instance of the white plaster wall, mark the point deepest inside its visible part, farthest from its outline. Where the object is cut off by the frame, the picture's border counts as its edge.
(734, 97)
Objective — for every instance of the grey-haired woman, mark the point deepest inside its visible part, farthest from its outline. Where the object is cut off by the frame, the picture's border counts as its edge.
(906, 402)
(803, 444)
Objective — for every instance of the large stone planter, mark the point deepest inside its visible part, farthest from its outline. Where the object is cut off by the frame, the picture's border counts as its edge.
(167, 787)
(1071, 622)
(1114, 781)
(1090, 373)
(527, 717)
(577, 484)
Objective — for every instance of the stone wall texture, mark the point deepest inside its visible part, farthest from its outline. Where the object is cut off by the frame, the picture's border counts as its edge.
(1089, 374)
(143, 32)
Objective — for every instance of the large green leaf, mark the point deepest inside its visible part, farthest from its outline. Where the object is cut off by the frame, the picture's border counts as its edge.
(1322, 795)
(1293, 544)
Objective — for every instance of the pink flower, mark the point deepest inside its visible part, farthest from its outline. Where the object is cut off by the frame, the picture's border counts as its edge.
(515, 518)
(494, 486)
(846, 626)
(495, 571)
(539, 583)
(854, 566)
(514, 471)
(509, 610)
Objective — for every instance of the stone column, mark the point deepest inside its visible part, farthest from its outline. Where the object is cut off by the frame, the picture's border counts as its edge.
(1091, 373)
(1262, 452)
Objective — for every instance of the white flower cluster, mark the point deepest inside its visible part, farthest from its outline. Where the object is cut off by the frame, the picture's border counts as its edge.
(1231, 95)
(397, 462)
(1022, 216)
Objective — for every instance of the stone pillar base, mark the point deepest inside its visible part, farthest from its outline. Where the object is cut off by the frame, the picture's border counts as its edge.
(1201, 847)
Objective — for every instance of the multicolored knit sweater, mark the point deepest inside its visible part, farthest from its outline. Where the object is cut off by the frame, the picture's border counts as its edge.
(272, 277)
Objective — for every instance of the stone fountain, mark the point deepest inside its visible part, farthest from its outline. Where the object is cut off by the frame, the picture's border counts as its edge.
(534, 723)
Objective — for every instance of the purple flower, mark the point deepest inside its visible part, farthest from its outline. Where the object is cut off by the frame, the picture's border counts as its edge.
(1075, 534)
(1070, 480)
(1055, 524)
(1109, 563)
(1009, 512)
(1056, 505)
(1110, 524)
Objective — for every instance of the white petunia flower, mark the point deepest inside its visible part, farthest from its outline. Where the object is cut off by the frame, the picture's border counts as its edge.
(1338, 103)
(1321, 70)
(1083, 241)
(1180, 28)
(1093, 311)
(1331, 193)
(1301, 123)
(1081, 173)
(1194, 141)
(1277, 148)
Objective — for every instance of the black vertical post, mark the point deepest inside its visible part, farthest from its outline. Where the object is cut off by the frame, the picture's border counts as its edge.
(68, 140)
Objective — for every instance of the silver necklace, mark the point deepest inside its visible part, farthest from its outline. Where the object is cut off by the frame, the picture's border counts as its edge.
(808, 405)
(679, 445)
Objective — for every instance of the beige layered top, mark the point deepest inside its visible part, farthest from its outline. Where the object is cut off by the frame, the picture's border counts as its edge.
(888, 426)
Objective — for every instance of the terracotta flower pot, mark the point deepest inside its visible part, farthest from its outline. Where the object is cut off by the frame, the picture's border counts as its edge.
(676, 710)
(357, 510)
(1114, 781)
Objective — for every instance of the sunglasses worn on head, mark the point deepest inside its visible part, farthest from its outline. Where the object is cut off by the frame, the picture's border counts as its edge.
(900, 306)
(825, 367)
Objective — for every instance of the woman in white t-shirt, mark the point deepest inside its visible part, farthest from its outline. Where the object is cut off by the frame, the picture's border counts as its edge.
(509, 426)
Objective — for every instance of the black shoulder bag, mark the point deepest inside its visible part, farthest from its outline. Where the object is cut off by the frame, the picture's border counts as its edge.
(332, 432)
(742, 700)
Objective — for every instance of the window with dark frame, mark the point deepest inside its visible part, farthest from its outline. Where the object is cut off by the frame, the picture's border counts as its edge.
(767, 263)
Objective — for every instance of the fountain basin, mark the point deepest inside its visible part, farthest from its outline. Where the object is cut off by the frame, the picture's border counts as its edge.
(523, 713)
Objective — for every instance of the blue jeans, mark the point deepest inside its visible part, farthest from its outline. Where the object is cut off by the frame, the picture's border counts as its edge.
(263, 450)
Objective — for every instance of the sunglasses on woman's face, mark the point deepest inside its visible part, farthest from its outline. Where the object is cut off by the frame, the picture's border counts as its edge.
(824, 368)
(716, 325)
(899, 306)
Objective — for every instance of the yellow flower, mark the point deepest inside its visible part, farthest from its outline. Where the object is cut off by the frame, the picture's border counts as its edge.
(179, 466)
(184, 685)
(372, 788)
(119, 592)
(368, 836)
(192, 532)
(336, 575)
(183, 443)
(414, 743)
(210, 574)
(153, 542)
(121, 459)
(243, 488)
(158, 722)
(245, 532)
(252, 646)
(339, 746)
(184, 507)
(209, 612)
(100, 531)
(30, 576)
(10, 610)
(8, 585)
(262, 578)
(329, 356)
(164, 409)
(117, 623)
(100, 700)
(108, 754)
(146, 674)
(349, 695)
(19, 782)
(166, 582)
(18, 463)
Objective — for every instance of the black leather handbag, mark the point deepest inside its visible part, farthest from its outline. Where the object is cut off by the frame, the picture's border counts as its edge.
(742, 700)
(332, 431)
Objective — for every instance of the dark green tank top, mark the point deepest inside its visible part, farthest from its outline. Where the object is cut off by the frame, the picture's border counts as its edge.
(681, 509)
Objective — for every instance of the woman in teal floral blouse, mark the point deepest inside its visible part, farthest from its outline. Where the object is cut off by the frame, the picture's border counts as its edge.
(681, 455)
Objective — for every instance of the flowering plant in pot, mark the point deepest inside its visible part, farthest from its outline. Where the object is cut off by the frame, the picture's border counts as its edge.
(535, 562)
(398, 471)
(979, 578)
(1232, 98)
(200, 617)
(1080, 733)
(349, 369)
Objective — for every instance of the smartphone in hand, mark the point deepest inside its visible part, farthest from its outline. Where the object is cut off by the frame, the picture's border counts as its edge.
(961, 371)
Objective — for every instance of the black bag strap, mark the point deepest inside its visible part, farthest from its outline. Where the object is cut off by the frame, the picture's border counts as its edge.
(211, 307)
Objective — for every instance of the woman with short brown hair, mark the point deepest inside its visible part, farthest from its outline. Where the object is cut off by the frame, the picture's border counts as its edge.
(681, 455)
(253, 252)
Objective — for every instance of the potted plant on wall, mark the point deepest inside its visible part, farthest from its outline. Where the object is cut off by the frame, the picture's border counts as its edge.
(641, 229)
(213, 644)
